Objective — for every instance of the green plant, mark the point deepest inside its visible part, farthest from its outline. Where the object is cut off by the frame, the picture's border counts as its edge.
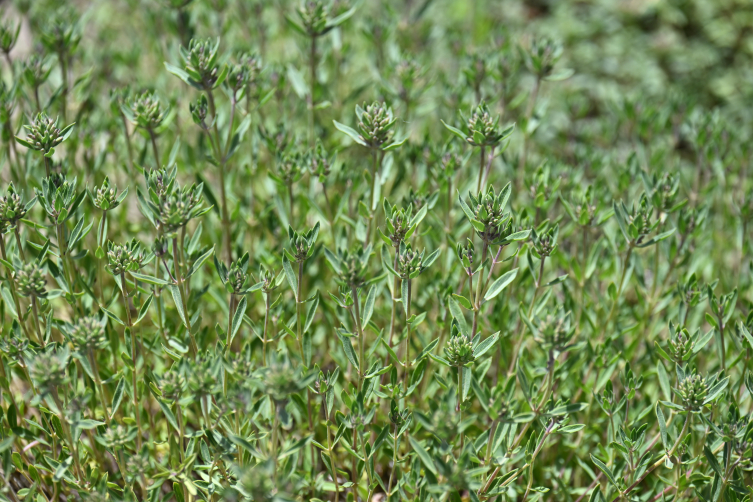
(214, 289)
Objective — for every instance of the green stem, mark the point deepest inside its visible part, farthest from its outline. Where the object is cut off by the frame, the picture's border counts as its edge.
(100, 387)
(183, 299)
(361, 351)
(266, 324)
(408, 325)
(136, 407)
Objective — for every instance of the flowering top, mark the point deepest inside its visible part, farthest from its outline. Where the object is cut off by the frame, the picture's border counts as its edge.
(170, 207)
(459, 350)
(201, 65)
(400, 223)
(59, 198)
(314, 18)
(486, 212)
(8, 35)
(106, 196)
(61, 34)
(88, 334)
(36, 70)
(236, 276)
(48, 369)
(350, 266)
(302, 245)
(12, 207)
(319, 162)
(375, 122)
(554, 331)
(482, 129)
(128, 257)
(637, 223)
(30, 280)
(375, 127)
(146, 111)
(44, 134)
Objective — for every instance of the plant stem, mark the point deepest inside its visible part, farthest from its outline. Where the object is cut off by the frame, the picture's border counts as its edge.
(14, 294)
(331, 454)
(266, 324)
(394, 462)
(477, 299)
(129, 147)
(184, 300)
(35, 314)
(361, 351)
(481, 164)
(408, 325)
(298, 319)
(67, 431)
(312, 70)
(100, 387)
(136, 406)
(153, 137)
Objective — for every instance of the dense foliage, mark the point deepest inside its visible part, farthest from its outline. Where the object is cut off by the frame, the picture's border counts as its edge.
(389, 250)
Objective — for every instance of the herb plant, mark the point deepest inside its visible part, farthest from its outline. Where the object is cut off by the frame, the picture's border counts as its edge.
(312, 250)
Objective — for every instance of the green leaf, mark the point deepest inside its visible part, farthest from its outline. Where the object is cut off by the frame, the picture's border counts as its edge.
(144, 309)
(291, 277)
(501, 283)
(379, 440)
(311, 313)
(606, 470)
(457, 314)
(457, 132)
(86, 424)
(117, 397)
(484, 346)
(349, 352)
(422, 454)
(368, 306)
(713, 462)
(662, 427)
(352, 133)
(463, 301)
(177, 298)
(715, 390)
(295, 447)
(168, 414)
(112, 316)
(237, 320)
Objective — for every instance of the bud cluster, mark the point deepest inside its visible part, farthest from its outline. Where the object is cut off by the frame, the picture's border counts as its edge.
(459, 350)
(201, 62)
(350, 265)
(693, 389)
(128, 257)
(88, 334)
(398, 222)
(554, 331)
(375, 123)
(482, 128)
(49, 370)
(30, 280)
(302, 245)
(313, 14)
(44, 134)
(409, 262)
(172, 385)
(146, 111)
(12, 208)
(106, 196)
(171, 207)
